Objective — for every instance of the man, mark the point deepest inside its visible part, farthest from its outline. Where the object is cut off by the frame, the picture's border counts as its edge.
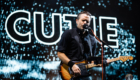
(77, 44)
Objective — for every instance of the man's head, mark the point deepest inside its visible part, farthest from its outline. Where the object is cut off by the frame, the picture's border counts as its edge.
(83, 18)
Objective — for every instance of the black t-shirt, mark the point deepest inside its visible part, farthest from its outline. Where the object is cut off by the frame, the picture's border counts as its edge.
(77, 46)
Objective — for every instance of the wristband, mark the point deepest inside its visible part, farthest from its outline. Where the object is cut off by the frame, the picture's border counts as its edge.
(70, 63)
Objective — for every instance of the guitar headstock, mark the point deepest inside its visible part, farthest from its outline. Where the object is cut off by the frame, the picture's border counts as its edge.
(125, 58)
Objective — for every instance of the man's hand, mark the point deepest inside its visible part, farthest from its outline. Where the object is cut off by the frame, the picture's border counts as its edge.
(92, 62)
(76, 70)
(108, 61)
(99, 65)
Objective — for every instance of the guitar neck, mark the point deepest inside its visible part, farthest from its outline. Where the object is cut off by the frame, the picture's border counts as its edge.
(112, 60)
(122, 58)
(94, 65)
(91, 65)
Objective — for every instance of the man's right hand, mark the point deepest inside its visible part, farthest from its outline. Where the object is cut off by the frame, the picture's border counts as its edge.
(76, 70)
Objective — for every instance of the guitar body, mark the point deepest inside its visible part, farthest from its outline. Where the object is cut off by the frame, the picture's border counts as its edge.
(65, 68)
(65, 72)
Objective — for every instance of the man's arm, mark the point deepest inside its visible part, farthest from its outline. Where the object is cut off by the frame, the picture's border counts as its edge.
(66, 60)
(63, 57)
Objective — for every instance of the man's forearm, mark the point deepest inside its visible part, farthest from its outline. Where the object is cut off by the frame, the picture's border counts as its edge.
(63, 57)
(67, 61)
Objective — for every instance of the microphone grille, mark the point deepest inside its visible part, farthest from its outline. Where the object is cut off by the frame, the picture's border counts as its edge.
(85, 26)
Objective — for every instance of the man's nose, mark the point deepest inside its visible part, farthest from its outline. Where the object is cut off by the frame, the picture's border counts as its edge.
(85, 22)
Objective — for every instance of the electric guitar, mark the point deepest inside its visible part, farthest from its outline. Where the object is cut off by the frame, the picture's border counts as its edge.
(66, 74)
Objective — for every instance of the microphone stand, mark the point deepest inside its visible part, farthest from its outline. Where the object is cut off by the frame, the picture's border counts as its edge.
(107, 44)
(104, 62)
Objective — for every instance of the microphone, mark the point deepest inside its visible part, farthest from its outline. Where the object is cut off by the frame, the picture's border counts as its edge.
(85, 26)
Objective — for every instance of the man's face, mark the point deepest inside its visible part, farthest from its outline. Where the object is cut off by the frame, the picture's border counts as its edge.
(83, 19)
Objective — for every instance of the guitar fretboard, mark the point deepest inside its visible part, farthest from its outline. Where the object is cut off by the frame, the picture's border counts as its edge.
(122, 58)
(115, 59)
(91, 65)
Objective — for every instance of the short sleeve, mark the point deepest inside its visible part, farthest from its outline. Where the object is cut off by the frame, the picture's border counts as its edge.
(64, 41)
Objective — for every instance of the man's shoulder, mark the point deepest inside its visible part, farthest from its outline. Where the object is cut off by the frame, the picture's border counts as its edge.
(68, 33)
(70, 30)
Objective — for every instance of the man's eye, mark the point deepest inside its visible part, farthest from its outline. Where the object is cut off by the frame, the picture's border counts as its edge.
(86, 21)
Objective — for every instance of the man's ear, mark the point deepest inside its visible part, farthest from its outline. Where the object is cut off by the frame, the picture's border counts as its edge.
(76, 21)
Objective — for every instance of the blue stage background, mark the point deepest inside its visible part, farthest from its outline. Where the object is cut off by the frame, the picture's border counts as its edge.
(29, 50)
